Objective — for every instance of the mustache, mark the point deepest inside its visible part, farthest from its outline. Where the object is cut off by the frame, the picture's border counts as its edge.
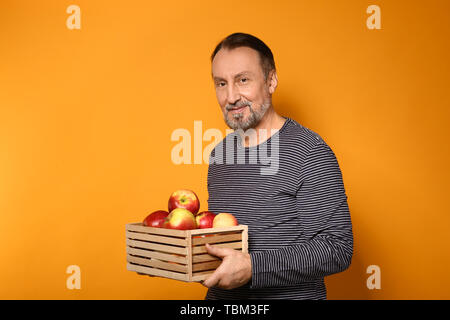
(237, 105)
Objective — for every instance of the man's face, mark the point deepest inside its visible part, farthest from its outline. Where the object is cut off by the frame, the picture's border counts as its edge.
(242, 92)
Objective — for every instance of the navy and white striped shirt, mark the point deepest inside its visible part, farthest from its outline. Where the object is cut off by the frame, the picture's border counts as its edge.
(299, 223)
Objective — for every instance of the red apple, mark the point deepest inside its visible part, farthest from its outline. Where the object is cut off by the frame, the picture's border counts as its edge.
(205, 219)
(180, 219)
(224, 219)
(155, 219)
(185, 199)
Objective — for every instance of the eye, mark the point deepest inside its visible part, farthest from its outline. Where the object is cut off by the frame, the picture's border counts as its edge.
(244, 80)
(220, 84)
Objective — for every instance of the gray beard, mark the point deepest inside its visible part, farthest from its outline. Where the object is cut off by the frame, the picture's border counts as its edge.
(252, 121)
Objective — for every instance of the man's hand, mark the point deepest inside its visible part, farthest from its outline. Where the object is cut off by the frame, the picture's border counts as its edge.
(234, 271)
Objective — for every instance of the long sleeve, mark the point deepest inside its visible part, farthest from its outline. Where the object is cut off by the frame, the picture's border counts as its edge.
(326, 245)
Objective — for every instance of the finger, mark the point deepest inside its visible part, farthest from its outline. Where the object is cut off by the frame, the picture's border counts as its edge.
(212, 280)
(217, 251)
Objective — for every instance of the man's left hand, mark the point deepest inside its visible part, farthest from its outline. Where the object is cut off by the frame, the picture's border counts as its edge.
(234, 271)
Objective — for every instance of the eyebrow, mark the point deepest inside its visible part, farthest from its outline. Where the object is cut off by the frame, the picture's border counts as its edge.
(236, 76)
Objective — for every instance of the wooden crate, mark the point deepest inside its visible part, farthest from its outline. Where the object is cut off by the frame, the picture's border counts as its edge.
(179, 254)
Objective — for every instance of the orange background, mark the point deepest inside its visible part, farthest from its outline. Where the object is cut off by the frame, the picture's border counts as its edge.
(86, 118)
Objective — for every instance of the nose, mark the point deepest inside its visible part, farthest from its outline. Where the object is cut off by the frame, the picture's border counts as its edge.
(233, 94)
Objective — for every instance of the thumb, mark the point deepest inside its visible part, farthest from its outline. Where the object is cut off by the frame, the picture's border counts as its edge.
(217, 251)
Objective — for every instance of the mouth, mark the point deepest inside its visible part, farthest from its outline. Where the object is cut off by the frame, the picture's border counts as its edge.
(237, 110)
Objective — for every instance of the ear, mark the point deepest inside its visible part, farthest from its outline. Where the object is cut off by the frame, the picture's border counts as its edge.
(273, 81)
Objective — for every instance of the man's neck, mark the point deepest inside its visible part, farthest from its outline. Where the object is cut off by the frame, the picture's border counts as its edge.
(270, 123)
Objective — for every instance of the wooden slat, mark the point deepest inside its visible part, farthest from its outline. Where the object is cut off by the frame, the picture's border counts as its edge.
(189, 258)
(217, 238)
(157, 264)
(245, 239)
(216, 230)
(156, 255)
(201, 275)
(139, 227)
(232, 245)
(156, 238)
(156, 247)
(205, 266)
(157, 272)
(203, 258)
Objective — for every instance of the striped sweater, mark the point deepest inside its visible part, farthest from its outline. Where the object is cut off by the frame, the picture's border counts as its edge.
(295, 206)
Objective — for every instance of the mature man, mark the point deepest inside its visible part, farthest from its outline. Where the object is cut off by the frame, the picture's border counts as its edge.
(299, 224)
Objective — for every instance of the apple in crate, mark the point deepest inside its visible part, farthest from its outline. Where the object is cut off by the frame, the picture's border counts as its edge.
(181, 219)
(185, 199)
(155, 219)
(224, 219)
(205, 219)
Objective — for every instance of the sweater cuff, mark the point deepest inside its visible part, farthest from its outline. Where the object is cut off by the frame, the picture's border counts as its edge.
(260, 276)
